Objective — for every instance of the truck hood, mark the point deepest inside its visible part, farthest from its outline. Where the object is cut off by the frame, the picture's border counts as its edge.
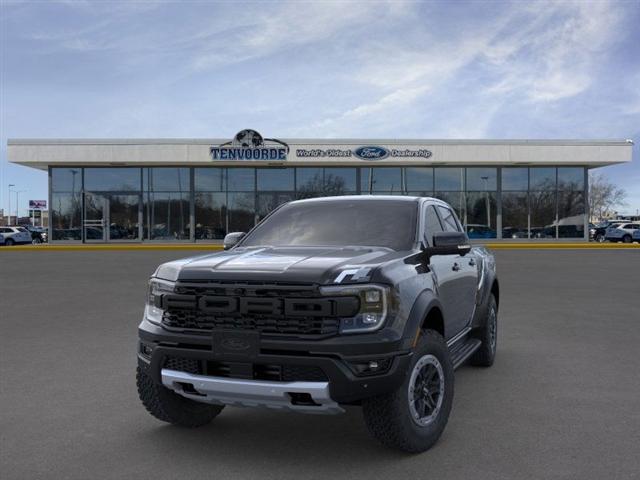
(322, 265)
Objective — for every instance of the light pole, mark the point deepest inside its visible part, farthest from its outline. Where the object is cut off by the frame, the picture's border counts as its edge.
(18, 192)
(9, 212)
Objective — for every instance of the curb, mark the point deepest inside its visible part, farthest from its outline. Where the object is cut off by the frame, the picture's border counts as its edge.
(49, 248)
(566, 246)
(215, 247)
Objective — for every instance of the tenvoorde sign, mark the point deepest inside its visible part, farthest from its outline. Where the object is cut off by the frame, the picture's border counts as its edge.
(249, 145)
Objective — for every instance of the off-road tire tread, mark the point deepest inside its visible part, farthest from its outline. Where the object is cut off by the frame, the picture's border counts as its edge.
(170, 407)
(383, 416)
(483, 356)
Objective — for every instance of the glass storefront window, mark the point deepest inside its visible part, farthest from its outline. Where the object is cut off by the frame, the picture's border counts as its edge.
(542, 214)
(515, 179)
(571, 212)
(482, 179)
(419, 180)
(241, 179)
(66, 216)
(481, 215)
(340, 181)
(166, 179)
(536, 202)
(112, 179)
(167, 216)
(449, 179)
(542, 178)
(209, 179)
(515, 215)
(571, 178)
(275, 179)
(387, 180)
(66, 179)
(210, 215)
(240, 212)
(309, 182)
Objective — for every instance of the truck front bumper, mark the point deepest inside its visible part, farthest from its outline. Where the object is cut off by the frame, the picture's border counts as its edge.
(306, 397)
(337, 358)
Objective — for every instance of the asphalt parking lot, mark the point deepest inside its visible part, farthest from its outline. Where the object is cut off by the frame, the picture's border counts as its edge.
(561, 401)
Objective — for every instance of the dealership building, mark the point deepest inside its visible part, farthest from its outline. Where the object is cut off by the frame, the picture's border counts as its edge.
(197, 190)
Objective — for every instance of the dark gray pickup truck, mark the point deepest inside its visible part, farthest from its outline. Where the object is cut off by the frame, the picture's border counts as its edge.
(367, 300)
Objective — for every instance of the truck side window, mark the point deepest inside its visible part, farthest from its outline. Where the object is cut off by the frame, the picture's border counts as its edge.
(449, 221)
(431, 224)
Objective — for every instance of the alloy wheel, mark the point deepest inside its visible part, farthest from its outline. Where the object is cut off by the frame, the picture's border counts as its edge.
(426, 390)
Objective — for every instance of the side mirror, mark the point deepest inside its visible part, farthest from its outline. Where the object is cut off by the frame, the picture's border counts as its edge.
(449, 243)
(232, 239)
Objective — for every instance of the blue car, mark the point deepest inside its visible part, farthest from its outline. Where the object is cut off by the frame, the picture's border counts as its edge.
(480, 231)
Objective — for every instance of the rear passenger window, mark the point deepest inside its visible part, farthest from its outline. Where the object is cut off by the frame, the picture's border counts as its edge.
(432, 224)
(449, 222)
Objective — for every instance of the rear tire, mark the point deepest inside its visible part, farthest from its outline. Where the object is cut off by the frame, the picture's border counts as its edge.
(172, 408)
(485, 355)
(9, 242)
(413, 417)
(626, 239)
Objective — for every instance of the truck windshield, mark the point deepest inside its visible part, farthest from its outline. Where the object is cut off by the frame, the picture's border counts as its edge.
(384, 223)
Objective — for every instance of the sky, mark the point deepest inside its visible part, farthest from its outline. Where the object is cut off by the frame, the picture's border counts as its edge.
(374, 69)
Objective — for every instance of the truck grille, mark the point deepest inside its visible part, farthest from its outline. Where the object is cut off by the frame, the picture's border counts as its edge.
(268, 308)
(270, 372)
(293, 326)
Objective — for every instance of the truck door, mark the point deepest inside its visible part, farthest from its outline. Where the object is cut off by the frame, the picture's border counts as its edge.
(456, 275)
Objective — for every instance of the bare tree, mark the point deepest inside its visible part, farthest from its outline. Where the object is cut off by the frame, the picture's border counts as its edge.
(604, 196)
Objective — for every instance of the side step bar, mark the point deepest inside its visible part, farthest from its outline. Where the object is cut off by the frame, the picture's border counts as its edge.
(462, 350)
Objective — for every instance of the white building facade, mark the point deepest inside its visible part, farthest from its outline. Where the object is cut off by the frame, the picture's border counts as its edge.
(197, 190)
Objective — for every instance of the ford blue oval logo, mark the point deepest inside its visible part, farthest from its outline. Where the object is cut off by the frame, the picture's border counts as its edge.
(371, 153)
(234, 344)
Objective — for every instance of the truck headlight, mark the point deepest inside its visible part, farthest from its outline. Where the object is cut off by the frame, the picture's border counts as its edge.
(374, 306)
(153, 309)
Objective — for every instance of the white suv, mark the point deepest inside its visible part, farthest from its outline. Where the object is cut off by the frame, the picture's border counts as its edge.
(15, 235)
(622, 232)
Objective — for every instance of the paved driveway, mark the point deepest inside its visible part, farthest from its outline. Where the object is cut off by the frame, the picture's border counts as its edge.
(562, 400)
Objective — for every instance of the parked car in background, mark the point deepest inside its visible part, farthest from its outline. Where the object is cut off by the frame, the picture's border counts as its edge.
(480, 231)
(599, 231)
(622, 232)
(38, 234)
(1, 239)
(514, 232)
(15, 235)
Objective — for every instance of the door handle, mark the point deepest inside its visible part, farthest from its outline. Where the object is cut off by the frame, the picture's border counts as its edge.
(472, 262)
(455, 267)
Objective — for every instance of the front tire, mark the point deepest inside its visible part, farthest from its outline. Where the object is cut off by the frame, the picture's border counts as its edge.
(413, 417)
(172, 408)
(626, 239)
(599, 238)
(9, 242)
(485, 355)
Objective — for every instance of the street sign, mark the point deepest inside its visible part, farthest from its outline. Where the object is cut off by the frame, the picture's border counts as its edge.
(38, 204)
